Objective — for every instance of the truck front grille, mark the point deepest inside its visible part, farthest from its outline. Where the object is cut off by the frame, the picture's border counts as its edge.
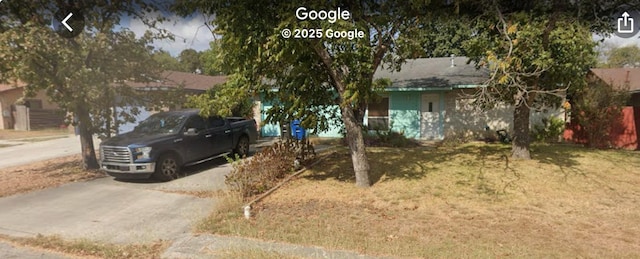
(115, 154)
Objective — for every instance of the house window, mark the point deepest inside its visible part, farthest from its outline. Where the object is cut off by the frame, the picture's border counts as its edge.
(378, 118)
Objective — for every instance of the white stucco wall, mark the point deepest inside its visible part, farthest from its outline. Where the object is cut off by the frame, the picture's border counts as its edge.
(462, 118)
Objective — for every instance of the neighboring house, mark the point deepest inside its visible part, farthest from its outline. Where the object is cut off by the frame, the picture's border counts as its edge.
(627, 133)
(45, 114)
(429, 98)
(14, 113)
(624, 78)
(191, 83)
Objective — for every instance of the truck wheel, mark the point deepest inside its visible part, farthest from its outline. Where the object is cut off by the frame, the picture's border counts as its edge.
(242, 148)
(167, 168)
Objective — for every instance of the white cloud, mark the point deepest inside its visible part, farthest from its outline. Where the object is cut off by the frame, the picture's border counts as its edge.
(190, 32)
(616, 41)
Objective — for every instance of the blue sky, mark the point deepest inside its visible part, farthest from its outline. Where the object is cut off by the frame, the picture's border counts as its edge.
(190, 32)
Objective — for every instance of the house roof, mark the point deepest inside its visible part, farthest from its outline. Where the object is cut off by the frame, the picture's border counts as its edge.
(168, 79)
(435, 74)
(619, 77)
(7, 87)
(189, 81)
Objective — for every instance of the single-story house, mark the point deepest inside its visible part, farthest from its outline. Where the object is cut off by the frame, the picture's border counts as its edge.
(627, 78)
(13, 113)
(429, 98)
(46, 114)
(191, 83)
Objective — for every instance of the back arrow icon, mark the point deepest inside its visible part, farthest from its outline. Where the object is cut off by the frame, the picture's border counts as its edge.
(64, 22)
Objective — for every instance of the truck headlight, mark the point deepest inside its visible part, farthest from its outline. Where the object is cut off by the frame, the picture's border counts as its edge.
(142, 152)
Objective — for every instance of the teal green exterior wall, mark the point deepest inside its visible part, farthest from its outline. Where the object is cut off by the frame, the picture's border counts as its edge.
(335, 130)
(404, 116)
(268, 130)
(404, 113)
(273, 130)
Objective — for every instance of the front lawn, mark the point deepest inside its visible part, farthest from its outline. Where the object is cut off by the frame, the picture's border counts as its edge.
(466, 201)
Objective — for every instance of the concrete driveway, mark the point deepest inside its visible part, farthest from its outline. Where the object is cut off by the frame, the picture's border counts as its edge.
(114, 211)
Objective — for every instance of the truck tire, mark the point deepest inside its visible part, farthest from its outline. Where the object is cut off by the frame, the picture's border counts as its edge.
(167, 168)
(242, 147)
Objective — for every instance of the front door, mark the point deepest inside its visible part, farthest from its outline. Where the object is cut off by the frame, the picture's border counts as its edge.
(430, 117)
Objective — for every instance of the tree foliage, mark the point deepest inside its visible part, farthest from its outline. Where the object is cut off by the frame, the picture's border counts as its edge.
(166, 61)
(598, 109)
(190, 60)
(312, 74)
(211, 60)
(536, 52)
(443, 36)
(624, 56)
(231, 98)
(85, 74)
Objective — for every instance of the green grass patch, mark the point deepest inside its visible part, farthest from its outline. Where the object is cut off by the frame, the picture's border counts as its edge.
(456, 202)
(84, 247)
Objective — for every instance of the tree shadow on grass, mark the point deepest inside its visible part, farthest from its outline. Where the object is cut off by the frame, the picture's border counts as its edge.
(416, 163)
(388, 164)
(563, 156)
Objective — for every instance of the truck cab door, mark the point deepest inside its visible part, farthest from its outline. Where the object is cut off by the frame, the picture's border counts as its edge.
(196, 139)
(222, 138)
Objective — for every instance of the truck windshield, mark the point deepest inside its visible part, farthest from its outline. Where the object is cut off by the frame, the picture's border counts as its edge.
(161, 123)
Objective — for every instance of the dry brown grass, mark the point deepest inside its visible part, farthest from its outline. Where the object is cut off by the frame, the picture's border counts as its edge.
(466, 201)
(249, 253)
(19, 134)
(90, 249)
(44, 174)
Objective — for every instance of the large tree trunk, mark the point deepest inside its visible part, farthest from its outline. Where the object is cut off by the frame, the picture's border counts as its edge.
(520, 145)
(352, 122)
(355, 139)
(359, 113)
(89, 160)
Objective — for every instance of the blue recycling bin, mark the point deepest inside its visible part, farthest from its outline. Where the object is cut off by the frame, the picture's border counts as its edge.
(297, 131)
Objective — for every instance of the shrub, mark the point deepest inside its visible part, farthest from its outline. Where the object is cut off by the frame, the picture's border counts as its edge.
(597, 109)
(255, 175)
(549, 130)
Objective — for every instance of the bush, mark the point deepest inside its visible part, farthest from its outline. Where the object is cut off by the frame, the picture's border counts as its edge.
(264, 170)
(597, 109)
(549, 130)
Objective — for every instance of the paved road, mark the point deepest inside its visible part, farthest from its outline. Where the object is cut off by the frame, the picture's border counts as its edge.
(113, 211)
(122, 212)
(37, 151)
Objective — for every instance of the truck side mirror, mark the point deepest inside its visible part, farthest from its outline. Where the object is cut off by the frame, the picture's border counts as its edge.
(191, 132)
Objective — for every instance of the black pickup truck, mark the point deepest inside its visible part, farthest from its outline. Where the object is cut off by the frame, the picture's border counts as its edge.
(165, 142)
